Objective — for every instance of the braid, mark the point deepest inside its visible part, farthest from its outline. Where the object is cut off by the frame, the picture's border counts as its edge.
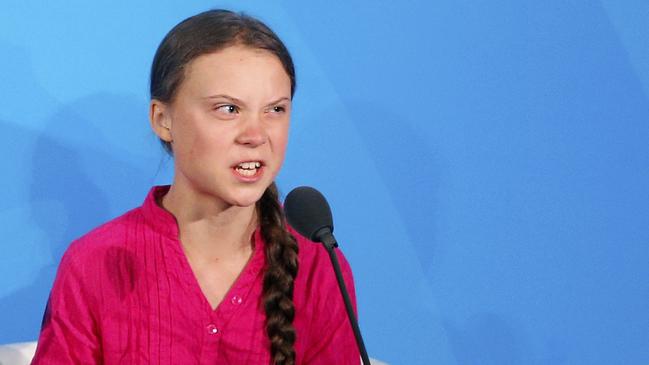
(281, 270)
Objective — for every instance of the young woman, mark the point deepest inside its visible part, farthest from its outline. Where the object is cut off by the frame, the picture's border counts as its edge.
(206, 270)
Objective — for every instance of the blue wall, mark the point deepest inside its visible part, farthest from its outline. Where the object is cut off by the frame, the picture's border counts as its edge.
(487, 162)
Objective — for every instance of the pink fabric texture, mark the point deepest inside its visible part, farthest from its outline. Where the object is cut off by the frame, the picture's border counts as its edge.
(125, 294)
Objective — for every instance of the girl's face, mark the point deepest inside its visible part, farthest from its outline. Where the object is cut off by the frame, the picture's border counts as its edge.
(228, 124)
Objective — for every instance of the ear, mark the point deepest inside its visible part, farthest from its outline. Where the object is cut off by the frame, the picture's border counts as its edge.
(160, 118)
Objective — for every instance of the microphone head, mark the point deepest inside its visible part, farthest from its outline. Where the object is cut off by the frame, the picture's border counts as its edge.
(308, 212)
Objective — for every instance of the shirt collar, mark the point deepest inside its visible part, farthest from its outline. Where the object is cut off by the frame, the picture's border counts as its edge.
(157, 217)
(165, 223)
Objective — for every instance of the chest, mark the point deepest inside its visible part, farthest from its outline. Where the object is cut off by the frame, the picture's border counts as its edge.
(215, 281)
(202, 315)
(214, 277)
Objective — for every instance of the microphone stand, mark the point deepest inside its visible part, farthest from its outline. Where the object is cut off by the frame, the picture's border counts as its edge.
(326, 237)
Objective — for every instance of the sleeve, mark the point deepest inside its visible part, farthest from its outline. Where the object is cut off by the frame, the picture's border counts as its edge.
(69, 332)
(336, 344)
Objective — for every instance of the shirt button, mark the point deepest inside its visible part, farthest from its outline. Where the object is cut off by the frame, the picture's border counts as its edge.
(236, 300)
(212, 330)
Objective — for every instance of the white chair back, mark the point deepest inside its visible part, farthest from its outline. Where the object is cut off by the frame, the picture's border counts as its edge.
(17, 353)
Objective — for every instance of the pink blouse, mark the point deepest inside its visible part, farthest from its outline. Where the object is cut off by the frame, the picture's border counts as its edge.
(125, 294)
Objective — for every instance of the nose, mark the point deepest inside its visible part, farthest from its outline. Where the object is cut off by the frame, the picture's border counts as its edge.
(252, 133)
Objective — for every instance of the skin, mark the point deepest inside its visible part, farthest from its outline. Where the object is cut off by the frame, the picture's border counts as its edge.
(232, 106)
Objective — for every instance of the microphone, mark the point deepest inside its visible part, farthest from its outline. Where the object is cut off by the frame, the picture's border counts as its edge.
(307, 211)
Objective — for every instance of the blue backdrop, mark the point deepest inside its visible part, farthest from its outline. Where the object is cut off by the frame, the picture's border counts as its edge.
(487, 162)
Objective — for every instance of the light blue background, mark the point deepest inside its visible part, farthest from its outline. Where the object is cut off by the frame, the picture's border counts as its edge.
(487, 162)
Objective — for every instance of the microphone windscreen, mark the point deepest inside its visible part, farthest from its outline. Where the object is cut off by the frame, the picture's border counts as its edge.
(307, 211)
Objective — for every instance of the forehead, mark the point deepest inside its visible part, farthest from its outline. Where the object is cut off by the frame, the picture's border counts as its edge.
(236, 69)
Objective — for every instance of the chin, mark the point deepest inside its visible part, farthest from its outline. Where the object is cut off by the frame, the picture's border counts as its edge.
(247, 199)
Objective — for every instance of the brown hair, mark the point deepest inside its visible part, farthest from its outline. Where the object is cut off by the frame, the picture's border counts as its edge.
(208, 32)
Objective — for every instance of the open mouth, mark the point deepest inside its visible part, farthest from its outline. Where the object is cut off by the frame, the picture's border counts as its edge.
(248, 168)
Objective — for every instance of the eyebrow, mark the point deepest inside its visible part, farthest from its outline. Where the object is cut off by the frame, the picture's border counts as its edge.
(241, 102)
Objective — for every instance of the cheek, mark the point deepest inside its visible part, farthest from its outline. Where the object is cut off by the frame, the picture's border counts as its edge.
(199, 139)
(189, 144)
(280, 138)
(209, 148)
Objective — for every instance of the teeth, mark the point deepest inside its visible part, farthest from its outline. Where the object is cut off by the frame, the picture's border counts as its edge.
(249, 165)
(244, 172)
(248, 168)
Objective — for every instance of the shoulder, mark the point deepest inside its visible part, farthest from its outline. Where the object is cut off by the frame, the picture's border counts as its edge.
(324, 336)
(98, 257)
(316, 278)
(107, 236)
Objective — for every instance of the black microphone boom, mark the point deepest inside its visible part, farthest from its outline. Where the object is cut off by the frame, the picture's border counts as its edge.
(308, 212)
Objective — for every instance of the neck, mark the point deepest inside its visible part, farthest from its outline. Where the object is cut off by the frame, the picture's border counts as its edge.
(209, 228)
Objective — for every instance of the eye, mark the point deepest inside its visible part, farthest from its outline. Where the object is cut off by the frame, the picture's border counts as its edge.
(227, 109)
(278, 109)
